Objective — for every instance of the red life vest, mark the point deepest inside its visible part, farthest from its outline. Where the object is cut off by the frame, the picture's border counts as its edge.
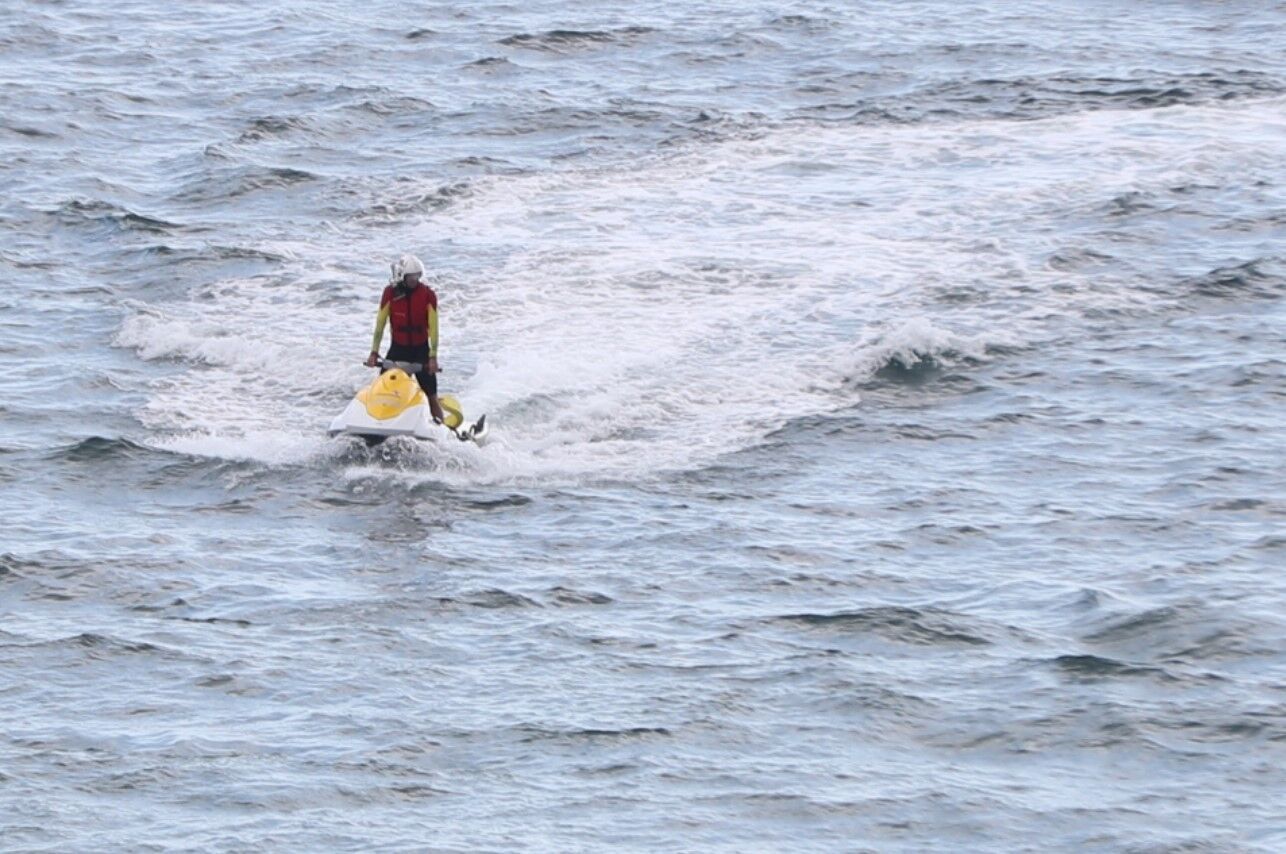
(408, 314)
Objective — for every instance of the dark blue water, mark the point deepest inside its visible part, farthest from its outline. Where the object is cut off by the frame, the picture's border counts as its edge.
(887, 413)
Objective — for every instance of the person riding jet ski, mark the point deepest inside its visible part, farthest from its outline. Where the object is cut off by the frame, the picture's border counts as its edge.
(412, 306)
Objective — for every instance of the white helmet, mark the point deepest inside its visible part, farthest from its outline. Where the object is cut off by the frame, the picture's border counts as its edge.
(407, 264)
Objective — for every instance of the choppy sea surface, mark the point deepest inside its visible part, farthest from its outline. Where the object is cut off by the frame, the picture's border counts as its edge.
(888, 407)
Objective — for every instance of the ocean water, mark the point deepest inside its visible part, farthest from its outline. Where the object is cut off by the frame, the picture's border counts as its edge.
(887, 404)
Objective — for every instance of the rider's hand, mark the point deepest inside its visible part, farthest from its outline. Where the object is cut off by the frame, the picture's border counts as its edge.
(372, 360)
(433, 366)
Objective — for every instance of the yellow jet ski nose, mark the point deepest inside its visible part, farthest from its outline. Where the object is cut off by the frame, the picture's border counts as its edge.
(392, 393)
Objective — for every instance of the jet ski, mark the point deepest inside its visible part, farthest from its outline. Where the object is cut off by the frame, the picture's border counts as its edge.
(394, 405)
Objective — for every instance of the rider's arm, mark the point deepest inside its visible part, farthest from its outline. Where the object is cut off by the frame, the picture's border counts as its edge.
(380, 320)
(433, 331)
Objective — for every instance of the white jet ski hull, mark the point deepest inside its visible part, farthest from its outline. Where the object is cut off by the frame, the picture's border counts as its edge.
(356, 421)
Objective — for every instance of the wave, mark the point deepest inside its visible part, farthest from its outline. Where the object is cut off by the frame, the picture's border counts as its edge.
(564, 597)
(100, 449)
(392, 105)
(161, 456)
(491, 64)
(797, 22)
(28, 131)
(1146, 90)
(273, 127)
(93, 646)
(1185, 633)
(1094, 667)
(908, 349)
(1028, 97)
(396, 203)
(562, 41)
(915, 626)
(97, 213)
(154, 335)
(1262, 278)
(231, 182)
(531, 733)
(497, 598)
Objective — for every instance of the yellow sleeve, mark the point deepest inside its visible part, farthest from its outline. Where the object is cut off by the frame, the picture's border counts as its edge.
(433, 332)
(380, 320)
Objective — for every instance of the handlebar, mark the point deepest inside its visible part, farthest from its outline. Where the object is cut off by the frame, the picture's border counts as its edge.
(408, 367)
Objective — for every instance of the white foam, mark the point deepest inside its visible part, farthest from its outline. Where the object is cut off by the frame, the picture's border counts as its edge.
(621, 322)
(275, 447)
